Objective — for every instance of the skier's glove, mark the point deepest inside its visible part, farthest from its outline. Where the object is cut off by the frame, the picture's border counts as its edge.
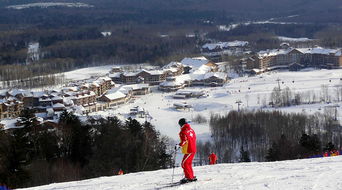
(177, 147)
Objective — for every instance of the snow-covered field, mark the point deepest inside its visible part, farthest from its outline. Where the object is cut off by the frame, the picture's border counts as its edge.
(252, 91)
(288, 39)
(85, 73)
(48, 4)
(306, 174)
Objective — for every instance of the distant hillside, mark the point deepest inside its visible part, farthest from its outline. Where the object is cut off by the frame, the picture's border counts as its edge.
(249, 9)
(70, 37)
(220, 10)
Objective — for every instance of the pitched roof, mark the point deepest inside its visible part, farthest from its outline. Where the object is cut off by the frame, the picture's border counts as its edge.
(115, 95)
(220, 75)
(316, 50)
(195, 62)
(319, 50)
(153, 72)
(172, 65)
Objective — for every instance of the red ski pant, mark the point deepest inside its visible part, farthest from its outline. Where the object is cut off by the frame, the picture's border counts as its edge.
(187, 165)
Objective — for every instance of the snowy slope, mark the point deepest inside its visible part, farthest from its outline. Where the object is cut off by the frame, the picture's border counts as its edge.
(313, 174)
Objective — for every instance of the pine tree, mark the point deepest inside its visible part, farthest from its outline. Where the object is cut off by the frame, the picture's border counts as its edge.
(329, 147)
(273, 153)
(14, 156)
(309, 144)
(244, 155)
(76, 138)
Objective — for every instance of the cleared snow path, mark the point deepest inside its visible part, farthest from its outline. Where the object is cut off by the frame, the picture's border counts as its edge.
(313, 174)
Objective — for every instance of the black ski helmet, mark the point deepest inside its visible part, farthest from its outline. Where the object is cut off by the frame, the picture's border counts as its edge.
(182, 121)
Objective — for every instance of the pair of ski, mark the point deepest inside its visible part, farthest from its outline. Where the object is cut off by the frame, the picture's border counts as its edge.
(178, 183)
(174, 184)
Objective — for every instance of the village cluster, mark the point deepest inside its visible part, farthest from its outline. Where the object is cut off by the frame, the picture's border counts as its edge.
(120, 86)
(117, 87)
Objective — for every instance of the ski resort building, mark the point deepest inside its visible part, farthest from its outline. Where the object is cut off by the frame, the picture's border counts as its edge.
(114, 99)
(10, 107)
(171, 84)
(84, 98)
(215, 79)
(151, 77)
(117, 96)
(295, 58)
(139, 89)
(185, 94)
(193, 64)
(174, 69)
(99, 85)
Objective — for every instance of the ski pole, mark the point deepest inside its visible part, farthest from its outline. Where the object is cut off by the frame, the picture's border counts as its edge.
(174, 163)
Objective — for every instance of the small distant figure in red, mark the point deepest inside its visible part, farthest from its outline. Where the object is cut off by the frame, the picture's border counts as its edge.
(212, 159)
(120, 172)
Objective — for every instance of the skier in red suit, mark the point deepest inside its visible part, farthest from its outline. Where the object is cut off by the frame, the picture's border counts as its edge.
(188, 144)
(212, 158)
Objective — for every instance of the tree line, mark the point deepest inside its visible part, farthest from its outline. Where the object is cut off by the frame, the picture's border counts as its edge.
(39, 154)
(258, 131)
(66, 49)
(286, 97)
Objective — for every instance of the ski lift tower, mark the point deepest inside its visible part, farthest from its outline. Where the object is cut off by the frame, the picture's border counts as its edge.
(278, 80)
(335, 109)
(238, 102)
(335, 106)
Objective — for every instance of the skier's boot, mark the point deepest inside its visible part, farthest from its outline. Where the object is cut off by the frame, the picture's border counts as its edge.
(193, 179)
(184, 180)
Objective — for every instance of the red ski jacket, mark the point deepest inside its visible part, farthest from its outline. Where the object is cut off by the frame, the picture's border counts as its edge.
(212, 158)
(188, 139)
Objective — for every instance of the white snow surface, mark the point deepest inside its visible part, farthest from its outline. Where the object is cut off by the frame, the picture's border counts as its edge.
(48, 4)
(85, 73)
(222, 45)
(313, 174)
(289, 39)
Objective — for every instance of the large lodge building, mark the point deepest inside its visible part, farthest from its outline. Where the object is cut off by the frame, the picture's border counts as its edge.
(294, 59)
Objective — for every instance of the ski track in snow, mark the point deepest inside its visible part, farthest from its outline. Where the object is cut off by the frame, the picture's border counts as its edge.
(306, 174)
